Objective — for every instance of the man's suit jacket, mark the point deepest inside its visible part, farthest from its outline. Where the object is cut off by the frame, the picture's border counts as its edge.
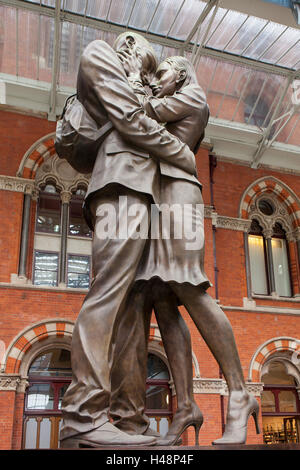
(129, 154)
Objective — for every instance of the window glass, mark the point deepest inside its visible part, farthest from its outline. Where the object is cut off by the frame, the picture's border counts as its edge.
(40, 397)
(45, 268)
(157, 397)
(78, 271)
(287, 401)
(48, 211)
(257, 264)
(54, 362)
(281, 267)
(77, 224)
(157, 369)
(267, 401)
(277, 375)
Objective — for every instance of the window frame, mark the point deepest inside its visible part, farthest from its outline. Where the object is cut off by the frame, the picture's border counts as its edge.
(34, 269)
(67, 268)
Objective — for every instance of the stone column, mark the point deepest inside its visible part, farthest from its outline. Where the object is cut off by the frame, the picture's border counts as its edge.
(25, 232)
(65, 199)
(10, 385)
(268, 236)
(247, 266)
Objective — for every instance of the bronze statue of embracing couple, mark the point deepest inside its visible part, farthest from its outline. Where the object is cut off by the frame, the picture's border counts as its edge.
(144, 174)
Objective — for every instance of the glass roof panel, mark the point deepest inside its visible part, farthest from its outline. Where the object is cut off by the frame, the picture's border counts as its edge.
(92, 8)
(250, 29)
(226, 29)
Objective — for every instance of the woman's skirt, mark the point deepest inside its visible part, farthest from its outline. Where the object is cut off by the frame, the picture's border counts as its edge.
(174, 249)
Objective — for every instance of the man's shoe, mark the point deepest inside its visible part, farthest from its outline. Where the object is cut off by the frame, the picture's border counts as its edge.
(105, 436)
(151, 432)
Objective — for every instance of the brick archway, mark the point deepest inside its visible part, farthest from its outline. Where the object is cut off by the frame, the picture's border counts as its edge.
(268, 348)
(55, 328)
(269, 184)
(35, 156)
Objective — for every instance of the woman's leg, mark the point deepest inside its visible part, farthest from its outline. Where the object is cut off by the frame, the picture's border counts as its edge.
(216, 330)
(177, 343)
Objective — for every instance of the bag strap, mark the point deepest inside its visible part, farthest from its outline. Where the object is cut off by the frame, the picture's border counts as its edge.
(67, 103)
(104, 130)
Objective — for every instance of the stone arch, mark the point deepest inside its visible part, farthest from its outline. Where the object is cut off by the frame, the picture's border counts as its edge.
(271, 185)
(267, 349)
(38, 333)
(35, 156)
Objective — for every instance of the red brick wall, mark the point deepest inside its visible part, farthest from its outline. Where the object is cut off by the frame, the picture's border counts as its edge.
(7, 411)
(11, 207)
(18, 134)
(21, 308)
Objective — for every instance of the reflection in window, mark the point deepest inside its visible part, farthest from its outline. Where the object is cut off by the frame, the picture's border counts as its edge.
(48, 211)
(54, 362)
(257, 259)
(40, 397)
(267, 401)
(157, 397)
(78, 271)
(77, 224)
(269, 272)
(157, 369)
(45, 269)
(281, 265)
(287, 401)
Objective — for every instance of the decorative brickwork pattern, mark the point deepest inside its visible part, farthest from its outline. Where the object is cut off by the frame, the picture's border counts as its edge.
(23, 343)
(266, 350)
(270, 184)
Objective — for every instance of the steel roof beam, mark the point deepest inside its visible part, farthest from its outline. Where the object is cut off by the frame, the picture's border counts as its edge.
(55, 65)
(171, 42)
(264, 142)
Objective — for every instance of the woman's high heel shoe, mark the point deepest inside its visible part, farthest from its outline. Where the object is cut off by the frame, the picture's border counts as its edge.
(237, 421)
(179, 425)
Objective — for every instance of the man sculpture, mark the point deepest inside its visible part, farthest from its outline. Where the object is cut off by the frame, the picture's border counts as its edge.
(140, 163)
(125, 166)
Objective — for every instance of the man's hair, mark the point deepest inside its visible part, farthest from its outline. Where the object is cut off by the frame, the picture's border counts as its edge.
(182, 63)
(147, 52)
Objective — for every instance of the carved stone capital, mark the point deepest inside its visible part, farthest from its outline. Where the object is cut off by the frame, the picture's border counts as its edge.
(65, 197)
(232, 223)
(19, 185)
(296, 234)
(9, 382)
(208, 212)
(268, 232)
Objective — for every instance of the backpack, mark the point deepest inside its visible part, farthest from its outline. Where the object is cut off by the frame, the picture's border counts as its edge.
(78, 136)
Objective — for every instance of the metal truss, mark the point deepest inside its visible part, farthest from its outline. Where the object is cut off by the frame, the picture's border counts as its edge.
(189, 45)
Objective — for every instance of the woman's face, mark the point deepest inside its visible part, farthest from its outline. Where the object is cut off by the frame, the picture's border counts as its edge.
(165, 80)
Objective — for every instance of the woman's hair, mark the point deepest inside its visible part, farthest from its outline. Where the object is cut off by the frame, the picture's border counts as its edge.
(181, 63)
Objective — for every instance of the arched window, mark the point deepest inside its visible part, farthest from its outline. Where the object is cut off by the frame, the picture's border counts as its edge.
(49, 376)
(62, 243)
(268, 249)
(158, 394)
(280, 404)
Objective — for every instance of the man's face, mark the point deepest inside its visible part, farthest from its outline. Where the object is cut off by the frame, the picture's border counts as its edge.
(165, 80)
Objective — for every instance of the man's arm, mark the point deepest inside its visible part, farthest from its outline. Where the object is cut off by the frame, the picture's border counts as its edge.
(101, 71)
